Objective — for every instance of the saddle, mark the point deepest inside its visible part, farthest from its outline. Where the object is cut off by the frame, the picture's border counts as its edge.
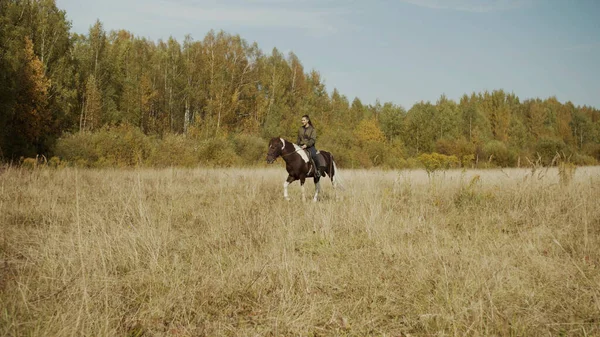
(319, 158)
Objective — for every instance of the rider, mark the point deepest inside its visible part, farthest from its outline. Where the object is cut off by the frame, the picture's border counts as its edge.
(307, 136)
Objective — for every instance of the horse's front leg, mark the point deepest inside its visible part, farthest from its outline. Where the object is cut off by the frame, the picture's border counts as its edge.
(317, 190)
(288, 181)
(302, 181)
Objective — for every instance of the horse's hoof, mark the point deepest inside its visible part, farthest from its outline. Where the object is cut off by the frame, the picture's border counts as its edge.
(315, 200)
(286, 199)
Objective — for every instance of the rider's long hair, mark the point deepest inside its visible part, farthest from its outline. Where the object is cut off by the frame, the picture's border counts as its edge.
(309, 121)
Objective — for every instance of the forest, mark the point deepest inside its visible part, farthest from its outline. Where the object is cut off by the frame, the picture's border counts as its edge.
(113, 99)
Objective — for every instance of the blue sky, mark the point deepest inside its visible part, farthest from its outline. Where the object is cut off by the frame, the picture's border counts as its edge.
(399, 51)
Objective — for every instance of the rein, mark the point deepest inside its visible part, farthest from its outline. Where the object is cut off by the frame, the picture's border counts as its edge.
(287, 154)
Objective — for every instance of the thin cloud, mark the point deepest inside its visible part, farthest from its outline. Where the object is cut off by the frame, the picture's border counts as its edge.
(314, 20)
(475, 6)
(583, 47)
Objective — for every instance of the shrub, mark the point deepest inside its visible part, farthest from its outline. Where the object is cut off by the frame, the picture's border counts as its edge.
(29, 163)
(121, 146)
(498, 153)
(174, 150)
(592, 150)
(77, 148)
(435, 161)
(583, 160)
(467, 160)
(218, 151)
(343, 156)
(55, 162)
(413, 163)
(376, 152)
(548, 148)
(227, 157)
(394, 155)
(361, 158)
(251, 149)
(458, 147)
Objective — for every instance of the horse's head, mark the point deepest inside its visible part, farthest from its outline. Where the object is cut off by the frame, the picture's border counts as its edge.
(275, 148)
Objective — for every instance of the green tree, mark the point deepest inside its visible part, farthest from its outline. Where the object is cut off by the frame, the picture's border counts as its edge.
(391, 121)
(583, 128)
(49, 30)
(357, 111)
(420, 135)
(91, 117)
(446, 119)
(274, 86)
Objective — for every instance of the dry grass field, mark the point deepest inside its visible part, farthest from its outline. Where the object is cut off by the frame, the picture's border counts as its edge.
(204, 252)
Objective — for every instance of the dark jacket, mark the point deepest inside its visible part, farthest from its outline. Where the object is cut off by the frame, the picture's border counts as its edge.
(307, 136)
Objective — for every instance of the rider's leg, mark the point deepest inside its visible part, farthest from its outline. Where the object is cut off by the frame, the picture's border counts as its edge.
(315, 160)
(319, 162)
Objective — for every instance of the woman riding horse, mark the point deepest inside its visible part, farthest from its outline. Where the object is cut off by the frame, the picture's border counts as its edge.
(297, 162)
(307, 137)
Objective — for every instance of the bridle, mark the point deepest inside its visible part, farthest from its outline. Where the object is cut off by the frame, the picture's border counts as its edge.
(282, 155)
(287, 154)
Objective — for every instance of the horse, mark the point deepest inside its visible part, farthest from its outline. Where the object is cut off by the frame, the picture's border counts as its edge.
(299, 166)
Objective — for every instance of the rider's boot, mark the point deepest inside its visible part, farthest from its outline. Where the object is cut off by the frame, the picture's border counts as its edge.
(316, 168)
(320, 166)
(322, 170)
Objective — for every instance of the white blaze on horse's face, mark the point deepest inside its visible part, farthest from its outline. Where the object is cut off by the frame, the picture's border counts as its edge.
(302, 153)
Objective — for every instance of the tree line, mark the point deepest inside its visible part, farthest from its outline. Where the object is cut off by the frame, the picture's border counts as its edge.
(63, 92)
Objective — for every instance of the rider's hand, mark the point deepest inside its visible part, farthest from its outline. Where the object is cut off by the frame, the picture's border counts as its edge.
(304, 147)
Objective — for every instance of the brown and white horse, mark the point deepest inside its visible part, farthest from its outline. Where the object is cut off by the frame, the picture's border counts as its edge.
(299, 166)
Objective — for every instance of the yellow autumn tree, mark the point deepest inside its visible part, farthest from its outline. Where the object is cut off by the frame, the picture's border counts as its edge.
(371, 141)
(32, 118)
(368, 130)
(563, 120)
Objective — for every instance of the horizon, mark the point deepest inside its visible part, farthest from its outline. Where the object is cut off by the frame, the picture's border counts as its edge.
(360, 51)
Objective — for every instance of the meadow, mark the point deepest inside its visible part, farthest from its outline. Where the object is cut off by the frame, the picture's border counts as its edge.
(209, 252)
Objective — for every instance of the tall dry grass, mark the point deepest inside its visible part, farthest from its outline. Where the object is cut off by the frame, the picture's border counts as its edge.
(197, 252)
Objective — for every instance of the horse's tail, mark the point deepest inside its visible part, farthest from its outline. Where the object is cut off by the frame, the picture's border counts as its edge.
(335, 177)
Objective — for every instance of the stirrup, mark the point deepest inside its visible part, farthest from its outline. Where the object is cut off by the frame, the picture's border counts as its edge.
(316, 174)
